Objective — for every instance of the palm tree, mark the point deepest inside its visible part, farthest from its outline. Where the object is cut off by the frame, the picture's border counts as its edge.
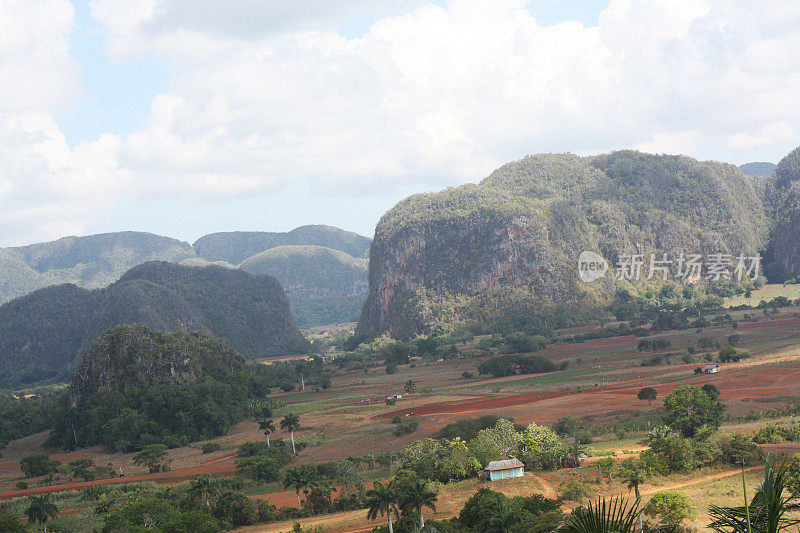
(297, 478)
(766, 511)
(634, 475)
(411, 388)
(267, 427)
(381, 499)
(203, 488)
(612, 515)
(41, 509)
(503, 520)
(415, 495)
(290, 423)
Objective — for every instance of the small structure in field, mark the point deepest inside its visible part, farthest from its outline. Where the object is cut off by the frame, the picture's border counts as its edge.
(711, 369)
(504, 469)
(393, 397)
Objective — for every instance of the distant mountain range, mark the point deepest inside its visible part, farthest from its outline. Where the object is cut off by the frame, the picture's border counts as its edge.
(758, 169)
(323, 269)
(42, 333)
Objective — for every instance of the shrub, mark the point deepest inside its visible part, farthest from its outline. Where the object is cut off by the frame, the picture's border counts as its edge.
(37, 464)
(510, 364)
(671, 507)
(566, 425)
(210, 447)
(391, 369)
(21, 485)
(405, 426)
(573, 490)
(467, 375)
(390, 401)
(467, 428)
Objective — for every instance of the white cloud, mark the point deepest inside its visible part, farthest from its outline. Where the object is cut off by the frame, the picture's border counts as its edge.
(46, 189)
(445, 94)
(260, 96)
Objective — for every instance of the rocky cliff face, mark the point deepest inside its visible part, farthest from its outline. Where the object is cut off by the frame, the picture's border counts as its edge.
(521, 230)
(783, 253)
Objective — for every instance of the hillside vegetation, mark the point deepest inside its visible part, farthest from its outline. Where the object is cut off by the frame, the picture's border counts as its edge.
(323, 269)
(136, 387)
(90, 262)
(506, 249)
(42, 333)
(234, 247)
(762, 169)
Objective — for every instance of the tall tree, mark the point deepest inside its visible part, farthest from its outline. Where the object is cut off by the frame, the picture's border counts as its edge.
(298, 479)
(411, 388)
(203, 488)
(267, 427)
(416, 494)
(503, 520)
(381, 499)
(647, 393)
(154, 456)
(689, 408)
(41, 509)
(290, 423)
(634, 474)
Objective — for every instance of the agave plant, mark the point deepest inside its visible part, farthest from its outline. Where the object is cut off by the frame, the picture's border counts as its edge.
(766, 513)
(603, 516)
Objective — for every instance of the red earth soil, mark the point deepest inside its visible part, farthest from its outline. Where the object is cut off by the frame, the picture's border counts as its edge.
(161, 478)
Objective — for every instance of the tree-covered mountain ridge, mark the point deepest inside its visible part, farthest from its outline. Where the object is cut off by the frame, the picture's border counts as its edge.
(42, 333)
(507, 247)
(323, 268)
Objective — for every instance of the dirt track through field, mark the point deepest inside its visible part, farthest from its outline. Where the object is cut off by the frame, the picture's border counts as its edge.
(162, 478)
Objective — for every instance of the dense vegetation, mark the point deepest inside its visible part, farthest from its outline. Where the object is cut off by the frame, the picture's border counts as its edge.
(511, 364)
(502, 254)
(42, 333)
(324, 285)
(761, 169)
(136, 387)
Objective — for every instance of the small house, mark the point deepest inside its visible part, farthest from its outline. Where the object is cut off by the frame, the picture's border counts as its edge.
(711, 369)
(393, 397)
(504, 469)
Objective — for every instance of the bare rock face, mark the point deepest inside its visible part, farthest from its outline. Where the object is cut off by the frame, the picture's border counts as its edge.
(128, 358)
(513, 240)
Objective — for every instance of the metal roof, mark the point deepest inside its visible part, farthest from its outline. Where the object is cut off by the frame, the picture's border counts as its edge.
(505, 464)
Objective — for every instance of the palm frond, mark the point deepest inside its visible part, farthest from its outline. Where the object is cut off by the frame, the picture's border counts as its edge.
(604, 516)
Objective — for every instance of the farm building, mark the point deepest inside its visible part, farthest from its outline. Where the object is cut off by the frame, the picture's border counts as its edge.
(711, 369)
(504, 469)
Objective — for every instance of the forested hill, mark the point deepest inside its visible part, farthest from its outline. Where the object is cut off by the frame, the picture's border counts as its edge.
(234, 247)
(323, 268)
(504, 252)
(758, 169)
(42, 333)
(203, 383)
(91, 262)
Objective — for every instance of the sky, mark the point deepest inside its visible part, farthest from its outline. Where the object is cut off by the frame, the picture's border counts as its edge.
(186, 117)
